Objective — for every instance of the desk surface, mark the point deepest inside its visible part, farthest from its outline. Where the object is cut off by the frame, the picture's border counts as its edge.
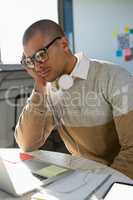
(69, 161)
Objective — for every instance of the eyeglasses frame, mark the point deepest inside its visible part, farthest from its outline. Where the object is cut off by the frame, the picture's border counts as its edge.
(32, 58)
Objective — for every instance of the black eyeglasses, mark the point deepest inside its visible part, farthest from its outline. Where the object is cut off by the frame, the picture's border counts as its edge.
(40, 56)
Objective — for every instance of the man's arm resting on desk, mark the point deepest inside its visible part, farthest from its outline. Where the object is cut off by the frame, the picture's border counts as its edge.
(35, 123)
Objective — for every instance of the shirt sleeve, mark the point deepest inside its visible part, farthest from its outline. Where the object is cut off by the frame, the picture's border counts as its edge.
(120, 96)
(35, 123)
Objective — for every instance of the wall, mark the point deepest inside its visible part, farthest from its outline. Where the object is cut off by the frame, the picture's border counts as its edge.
(94, 23)
(12, 83)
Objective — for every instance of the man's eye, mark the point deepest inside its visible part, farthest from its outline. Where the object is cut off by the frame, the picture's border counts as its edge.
(41, 55)
(29, 62)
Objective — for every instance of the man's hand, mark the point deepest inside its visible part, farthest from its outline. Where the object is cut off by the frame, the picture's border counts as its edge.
(40, 82)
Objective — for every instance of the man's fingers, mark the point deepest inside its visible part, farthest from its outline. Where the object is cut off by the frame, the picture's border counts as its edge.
(36, 76)
(31, 72)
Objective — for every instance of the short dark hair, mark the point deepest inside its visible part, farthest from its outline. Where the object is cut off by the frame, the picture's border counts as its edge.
(46, 26)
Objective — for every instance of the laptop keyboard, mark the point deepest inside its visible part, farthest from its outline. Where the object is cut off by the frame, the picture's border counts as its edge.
(41, 178)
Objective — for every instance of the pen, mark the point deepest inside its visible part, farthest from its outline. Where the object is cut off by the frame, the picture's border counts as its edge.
(101, 184)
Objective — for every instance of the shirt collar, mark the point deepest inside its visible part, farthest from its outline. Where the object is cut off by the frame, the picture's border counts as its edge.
(82, 67)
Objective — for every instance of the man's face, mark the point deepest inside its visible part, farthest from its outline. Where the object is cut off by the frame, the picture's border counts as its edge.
(55, 63)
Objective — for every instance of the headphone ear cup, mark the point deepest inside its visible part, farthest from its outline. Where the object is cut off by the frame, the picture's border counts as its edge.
(65, 82)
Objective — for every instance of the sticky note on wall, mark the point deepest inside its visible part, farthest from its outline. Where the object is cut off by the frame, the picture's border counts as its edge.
(127, 52)
(131, 31)
(126, 29)
(128, 58)
(114, 34)
(119, 53)
(123, 41)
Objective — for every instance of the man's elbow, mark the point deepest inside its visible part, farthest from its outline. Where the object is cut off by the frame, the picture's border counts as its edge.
(27, 143)
(27, 147)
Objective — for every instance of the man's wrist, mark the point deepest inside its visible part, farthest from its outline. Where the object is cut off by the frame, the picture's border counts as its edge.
(39, 88)
(38, 100)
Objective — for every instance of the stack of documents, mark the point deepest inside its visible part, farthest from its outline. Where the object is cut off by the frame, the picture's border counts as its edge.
(78, 185)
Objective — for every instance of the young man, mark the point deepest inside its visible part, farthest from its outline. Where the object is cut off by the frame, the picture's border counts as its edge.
(92, 105)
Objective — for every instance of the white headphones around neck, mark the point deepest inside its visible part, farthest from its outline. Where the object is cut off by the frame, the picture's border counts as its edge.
(65, 81)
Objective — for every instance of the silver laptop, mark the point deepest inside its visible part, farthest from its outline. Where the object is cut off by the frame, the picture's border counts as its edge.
(22, 177)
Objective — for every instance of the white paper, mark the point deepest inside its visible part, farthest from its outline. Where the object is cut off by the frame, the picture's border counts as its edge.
(77, 186)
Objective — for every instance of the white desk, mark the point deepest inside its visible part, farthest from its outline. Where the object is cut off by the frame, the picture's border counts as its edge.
(70, 162)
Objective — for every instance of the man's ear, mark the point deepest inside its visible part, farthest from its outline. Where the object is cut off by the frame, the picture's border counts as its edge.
(65, 44)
